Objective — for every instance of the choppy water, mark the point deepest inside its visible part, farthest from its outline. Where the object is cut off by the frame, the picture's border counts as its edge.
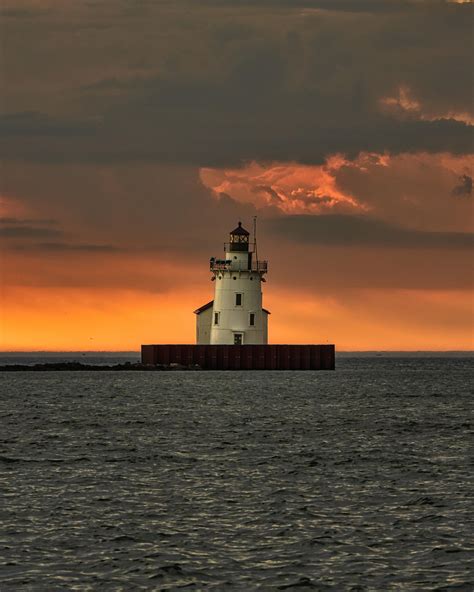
(357, 480)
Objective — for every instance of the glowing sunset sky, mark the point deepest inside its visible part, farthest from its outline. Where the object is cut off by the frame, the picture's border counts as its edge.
(135, 134)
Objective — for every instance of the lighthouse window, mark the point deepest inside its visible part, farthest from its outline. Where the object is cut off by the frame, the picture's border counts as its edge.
(216, 318)
(238, 300)
(252, 319)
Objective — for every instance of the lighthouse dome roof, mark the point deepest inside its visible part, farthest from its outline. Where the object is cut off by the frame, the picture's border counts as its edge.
(240, 230)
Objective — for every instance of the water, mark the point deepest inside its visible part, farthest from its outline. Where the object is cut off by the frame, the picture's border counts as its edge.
(359, 479)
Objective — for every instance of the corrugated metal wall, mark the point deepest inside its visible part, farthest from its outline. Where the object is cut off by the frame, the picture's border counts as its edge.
(243, 357)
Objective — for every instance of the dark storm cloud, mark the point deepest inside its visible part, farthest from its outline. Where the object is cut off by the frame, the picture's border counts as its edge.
(464, 188)
(22, 12)
(5, 220)
(203, 142)
(22, 231)
(19, 234)
(28, 228)
(61, 247)
(32, 123)
(342, 230)
(333, 5)
(232, 82)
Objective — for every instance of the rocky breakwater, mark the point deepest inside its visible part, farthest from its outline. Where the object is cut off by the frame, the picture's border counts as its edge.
(78, 366)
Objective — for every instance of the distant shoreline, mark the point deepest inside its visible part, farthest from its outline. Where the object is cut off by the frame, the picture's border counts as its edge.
(128, 366)
(137, 352)
(79, 367)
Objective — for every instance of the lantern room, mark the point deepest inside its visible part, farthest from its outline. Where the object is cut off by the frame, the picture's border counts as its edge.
(239, 239)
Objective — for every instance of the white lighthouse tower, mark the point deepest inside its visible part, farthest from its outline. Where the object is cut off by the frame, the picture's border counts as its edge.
(235, 316)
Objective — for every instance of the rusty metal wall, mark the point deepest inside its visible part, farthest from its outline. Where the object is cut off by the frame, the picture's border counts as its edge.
(243, 357)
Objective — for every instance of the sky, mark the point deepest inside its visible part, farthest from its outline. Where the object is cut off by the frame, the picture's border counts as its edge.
(134, 134)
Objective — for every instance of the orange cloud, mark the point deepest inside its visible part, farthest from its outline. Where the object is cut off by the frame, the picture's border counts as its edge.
(410, 189)
(290, 187)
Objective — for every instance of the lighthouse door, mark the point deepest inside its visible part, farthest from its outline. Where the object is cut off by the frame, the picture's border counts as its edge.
(238, 338)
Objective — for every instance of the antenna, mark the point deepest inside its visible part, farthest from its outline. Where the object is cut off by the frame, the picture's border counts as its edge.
(255, 237)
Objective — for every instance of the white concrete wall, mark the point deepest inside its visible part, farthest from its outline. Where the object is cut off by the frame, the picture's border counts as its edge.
(203, 327)
(239, 259)
(233, 318)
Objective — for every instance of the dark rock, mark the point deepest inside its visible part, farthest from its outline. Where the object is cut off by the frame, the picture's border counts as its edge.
(78, 366)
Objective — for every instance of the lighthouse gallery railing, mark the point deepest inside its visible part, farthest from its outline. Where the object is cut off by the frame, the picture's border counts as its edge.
(229, 265)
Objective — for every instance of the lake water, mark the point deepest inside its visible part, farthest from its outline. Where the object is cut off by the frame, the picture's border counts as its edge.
(359, 479)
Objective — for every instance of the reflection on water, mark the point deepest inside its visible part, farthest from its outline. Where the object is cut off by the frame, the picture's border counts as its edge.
(353, 480)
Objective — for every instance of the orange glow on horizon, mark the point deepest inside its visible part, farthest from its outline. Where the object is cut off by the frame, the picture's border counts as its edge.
(41, 319)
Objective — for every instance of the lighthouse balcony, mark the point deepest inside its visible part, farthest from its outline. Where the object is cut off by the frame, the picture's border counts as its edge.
(229, 265)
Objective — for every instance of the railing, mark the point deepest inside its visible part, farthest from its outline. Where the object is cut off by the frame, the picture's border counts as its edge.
(218, 265)
(229, 265)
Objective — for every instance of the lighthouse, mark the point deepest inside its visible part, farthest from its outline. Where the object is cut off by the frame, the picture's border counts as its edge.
(236, 315)
(232, 329)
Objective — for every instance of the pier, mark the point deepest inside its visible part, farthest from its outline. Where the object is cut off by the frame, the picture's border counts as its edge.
(242, 357)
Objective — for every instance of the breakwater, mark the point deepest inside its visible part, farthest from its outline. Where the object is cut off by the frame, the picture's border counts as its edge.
(242, 357)
(78, 366)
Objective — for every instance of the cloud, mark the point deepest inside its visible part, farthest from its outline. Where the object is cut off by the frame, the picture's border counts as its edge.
(348, 231)
(23, 231)
(22, 12)
(330, 5)
(20, 233)
(405, 105)
(203, 141)
(15, 228)
(464, 187)
(8, 220)
(274, 196)
(162, 219)
(32, 123)
(392, 188)
(62, 247)
(236, 82)
(289, 187)
(136, 207)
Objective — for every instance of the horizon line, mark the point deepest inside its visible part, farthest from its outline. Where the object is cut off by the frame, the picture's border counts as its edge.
(125, 351)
